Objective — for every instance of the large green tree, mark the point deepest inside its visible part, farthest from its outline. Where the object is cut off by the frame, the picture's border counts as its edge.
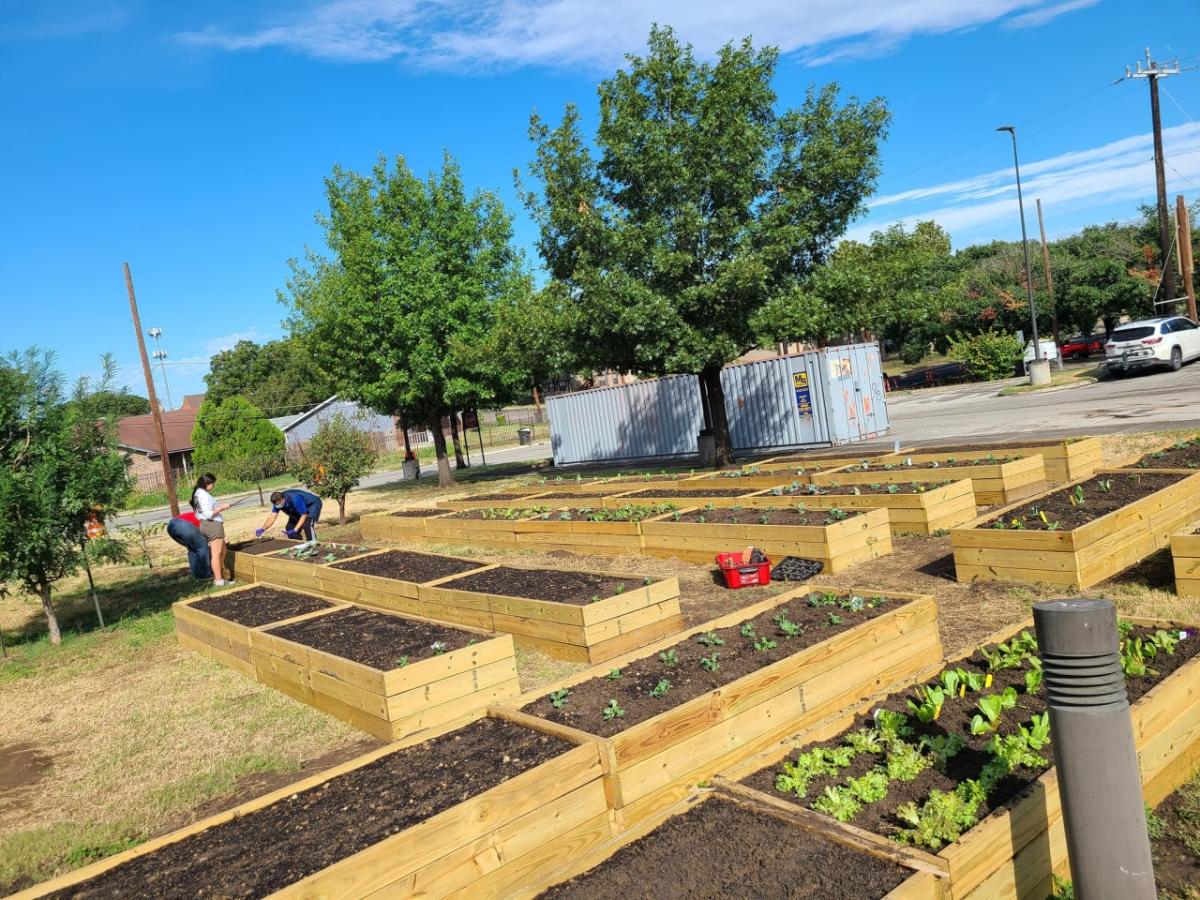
(701, 203)
(58, 466)
(234, 439)
(279, 377)
(402, 310)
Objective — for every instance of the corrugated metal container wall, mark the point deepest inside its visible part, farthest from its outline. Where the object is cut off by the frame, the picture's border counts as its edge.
(829, 396)
(646, 418)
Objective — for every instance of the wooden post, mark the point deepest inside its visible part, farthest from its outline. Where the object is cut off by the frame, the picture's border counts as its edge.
(1184, 227)
(155, 410)
(1049, 280)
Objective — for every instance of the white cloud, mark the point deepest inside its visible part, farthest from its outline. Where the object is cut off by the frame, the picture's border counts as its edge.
(457, 34)
(1122, 170)
(1038, 17)
(215, 345)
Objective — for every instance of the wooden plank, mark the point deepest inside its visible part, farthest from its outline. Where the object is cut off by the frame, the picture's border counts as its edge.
(631, 621)
(445, 690)
(632, 640)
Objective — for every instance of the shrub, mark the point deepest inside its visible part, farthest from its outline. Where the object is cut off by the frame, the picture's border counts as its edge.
(336, 457)
(913, 351)
(989, 355)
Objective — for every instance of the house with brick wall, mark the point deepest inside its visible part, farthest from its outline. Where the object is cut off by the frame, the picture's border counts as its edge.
(137, 439)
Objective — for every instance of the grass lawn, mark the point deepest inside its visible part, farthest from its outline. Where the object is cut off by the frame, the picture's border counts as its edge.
(119, 734)
(897, 366)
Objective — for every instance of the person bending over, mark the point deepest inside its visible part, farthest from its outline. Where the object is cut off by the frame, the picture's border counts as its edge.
(302, 509)
(184, 530)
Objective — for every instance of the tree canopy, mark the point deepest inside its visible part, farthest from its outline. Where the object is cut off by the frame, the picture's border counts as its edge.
(701, 203)
(58, 466)
(233, 438)
(403, 309)
(279, 377)
(334, 460)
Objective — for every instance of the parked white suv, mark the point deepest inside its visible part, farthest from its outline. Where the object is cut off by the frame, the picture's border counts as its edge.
(1165, 341)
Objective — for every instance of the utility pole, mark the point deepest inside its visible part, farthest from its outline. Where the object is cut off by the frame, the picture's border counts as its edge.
(1184, 226)
(1152, 71)
(155, 411)
(1046, 266)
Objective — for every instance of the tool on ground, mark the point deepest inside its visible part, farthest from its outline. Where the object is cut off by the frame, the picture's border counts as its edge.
(746, 569)
(796, 568)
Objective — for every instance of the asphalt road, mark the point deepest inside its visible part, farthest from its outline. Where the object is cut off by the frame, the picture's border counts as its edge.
(375, 479)
(1156, 400)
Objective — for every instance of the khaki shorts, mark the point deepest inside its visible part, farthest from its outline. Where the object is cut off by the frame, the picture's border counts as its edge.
(213, 531)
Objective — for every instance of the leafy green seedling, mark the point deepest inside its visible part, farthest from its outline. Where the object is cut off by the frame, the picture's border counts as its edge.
(558, 699)
(834, 619)
(402, 662)
(787, 627)
(710, 663)
(839, 803)
(619, 589)
(928, 705)
(613, 711)
(747, 631)
(613, 674)
(905, 762)
(942, 748)
(870, 787)
(1034, 677)
(660, 689)
(763, 644)
(891, 724)
(669, 658)
(438, 647)
(864, 740)
(710, 639)
(853, 603)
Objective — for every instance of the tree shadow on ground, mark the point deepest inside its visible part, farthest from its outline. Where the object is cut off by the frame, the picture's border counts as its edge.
(1156, 571)
(134, 597)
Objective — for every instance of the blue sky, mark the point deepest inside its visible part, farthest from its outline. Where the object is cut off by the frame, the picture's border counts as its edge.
(192, 139)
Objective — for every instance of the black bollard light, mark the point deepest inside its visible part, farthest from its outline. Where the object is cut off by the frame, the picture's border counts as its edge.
(1092, 736)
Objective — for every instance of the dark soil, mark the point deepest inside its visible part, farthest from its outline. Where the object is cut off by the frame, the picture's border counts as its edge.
(417, 513)
(948, 461)
(577, 588)
(748, 516)
(690, 492)
(271, 848)
(721, 850)
(955, 718)
(575, 495)
(22, 768)
(736, 657)
(372, 638)
(497, 497)
(491, 513)
(833, 488)
(631, 512)
(1184, 455)
(259, 546)
(405, 565)
(260, 606)
(1176, 849)
(322, 552)
(1060, 507)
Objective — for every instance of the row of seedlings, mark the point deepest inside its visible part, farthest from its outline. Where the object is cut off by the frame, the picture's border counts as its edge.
(958, 769)
(386, 674)
(1183, 455)
(504, 804)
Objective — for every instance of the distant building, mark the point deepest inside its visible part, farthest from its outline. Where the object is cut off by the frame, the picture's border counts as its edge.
(298, 430)
(137, 438)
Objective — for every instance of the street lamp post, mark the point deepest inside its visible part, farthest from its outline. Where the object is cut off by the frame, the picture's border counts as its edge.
(161, 355)
(1039, 369)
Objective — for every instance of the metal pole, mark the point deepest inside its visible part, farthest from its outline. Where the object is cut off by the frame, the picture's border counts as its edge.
(1049, 278)
(1185, 254)
(479, 431)
(155, 412)
(1094, 755)
(1037, 347)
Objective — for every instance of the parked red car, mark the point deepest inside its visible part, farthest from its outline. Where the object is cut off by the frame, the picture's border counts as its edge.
(1082, 347)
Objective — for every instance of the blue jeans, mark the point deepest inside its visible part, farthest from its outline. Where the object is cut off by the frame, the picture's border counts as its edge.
(188, 535)
(314, 516)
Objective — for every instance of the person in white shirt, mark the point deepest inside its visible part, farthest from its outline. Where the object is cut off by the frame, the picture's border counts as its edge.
(212, 525)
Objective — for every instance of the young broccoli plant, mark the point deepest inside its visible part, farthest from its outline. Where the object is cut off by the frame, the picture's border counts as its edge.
(787, 627)
(669, 658)
(613, 711)
(660, 689)
(710, 663)
(558, 699)
(763, 644)
(710, 639)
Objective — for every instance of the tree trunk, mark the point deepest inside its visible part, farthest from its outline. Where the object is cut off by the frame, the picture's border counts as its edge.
(261, 501)
(445, 476)
(458, 457)
(51, 617)
(342, 510)
(711, 377)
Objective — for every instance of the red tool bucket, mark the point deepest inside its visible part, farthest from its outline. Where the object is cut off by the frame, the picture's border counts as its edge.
(739, 575)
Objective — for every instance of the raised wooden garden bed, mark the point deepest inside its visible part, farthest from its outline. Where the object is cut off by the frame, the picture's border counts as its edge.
(749, 480)
(397, 525)
(389, 675)
(698, 535)
(571, 615)
(1080, 543)
(471, 526)
(1185, 557)
(1064, 460)
(1018, 844)
(816, 460)
(1180, 455)
(241, 558)
(580, 529)
(660, 744)
(391, 579)
(499, 498)
(681, 496)
(913, 508)
(993, 482)
(218, 626)
(491, 809)
(733, 845)
(310, 572)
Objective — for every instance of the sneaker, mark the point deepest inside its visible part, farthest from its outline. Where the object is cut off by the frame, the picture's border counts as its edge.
(218, 582)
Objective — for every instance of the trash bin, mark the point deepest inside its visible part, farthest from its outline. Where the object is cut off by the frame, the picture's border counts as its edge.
(524, 436)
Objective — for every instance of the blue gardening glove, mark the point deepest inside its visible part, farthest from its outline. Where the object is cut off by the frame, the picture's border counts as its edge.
(260, 532)
(292, 534)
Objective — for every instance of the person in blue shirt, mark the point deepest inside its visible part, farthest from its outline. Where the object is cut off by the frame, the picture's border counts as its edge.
(302, 509)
